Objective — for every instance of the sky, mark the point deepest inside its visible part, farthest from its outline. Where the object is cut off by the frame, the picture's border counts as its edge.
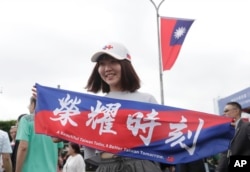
(50, 42)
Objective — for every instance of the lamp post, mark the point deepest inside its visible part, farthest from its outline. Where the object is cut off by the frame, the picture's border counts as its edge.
(159, 49)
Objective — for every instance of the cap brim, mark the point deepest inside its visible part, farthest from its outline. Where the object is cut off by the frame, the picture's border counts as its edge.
(96, 56)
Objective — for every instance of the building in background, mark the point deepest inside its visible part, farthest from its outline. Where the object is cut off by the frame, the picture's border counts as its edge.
(242, 97)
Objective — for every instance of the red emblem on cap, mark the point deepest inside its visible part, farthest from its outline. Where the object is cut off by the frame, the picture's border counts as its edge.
(128, 56)
(108, 47)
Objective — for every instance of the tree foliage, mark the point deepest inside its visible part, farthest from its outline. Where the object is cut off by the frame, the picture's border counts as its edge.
(5, 125)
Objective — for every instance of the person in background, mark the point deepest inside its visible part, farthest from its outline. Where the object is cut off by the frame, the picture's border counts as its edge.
(239, 145)
(75, 161)
(114, 75)
(14, 152)
(194, 166)
(36, 152)
(13, 130)
(222, 162)
(5, 151)
(60, 162)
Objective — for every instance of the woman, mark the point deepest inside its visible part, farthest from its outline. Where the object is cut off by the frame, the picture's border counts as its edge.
(13, 130)
(114, 75)
(75, 161)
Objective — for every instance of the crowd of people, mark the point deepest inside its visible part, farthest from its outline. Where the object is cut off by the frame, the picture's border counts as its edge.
(114, 75)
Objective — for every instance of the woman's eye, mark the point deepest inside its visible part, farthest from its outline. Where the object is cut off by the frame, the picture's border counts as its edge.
(101, 63)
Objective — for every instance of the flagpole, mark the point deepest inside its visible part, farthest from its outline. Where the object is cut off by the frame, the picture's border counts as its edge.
(159, 49)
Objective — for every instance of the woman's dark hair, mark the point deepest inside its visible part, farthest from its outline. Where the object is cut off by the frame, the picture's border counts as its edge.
(130, 81)
(75, 147)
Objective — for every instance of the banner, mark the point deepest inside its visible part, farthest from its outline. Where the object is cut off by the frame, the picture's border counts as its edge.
(129, 128)
(173, 33)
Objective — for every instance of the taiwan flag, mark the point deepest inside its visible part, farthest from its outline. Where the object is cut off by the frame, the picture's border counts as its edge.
(173, 32)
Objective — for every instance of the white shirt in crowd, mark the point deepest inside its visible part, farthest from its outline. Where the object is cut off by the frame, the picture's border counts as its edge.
(74, 164)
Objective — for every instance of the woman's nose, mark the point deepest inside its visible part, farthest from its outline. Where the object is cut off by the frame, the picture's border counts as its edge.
(107, 67)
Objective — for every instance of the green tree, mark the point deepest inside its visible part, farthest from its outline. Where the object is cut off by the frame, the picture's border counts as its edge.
(5, 125)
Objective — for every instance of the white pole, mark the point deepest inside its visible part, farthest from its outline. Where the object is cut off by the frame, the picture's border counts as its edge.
(159, 49)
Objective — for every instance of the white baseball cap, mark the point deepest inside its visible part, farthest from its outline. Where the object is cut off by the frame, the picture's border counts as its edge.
(116, 50)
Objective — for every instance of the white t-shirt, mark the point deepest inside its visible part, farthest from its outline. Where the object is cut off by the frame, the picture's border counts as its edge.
(5, 146)
(74, 164)
(133, 96)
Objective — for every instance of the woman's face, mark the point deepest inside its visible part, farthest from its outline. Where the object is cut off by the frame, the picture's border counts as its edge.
(13, 131)
(110, 72)
(70, 150)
